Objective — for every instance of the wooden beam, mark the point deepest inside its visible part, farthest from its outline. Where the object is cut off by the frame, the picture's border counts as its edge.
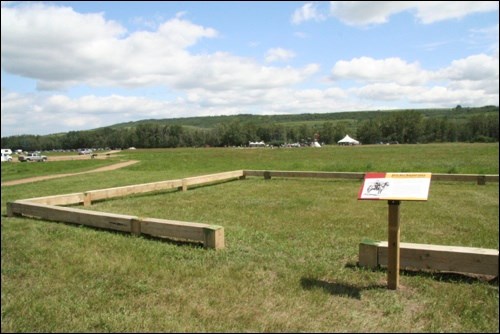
(66, 199)
(104, 220)
(368, 254)
(324, 175)
(214, 237)
(203, 179)
(135, 227)
(211, 236)
(459, 259)
(133, 189)
(172, 229)
(479, 178)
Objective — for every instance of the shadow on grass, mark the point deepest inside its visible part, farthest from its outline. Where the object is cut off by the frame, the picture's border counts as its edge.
(338, 289)
(448, 277)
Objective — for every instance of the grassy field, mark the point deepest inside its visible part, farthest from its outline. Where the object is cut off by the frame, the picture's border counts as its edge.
(291, 247)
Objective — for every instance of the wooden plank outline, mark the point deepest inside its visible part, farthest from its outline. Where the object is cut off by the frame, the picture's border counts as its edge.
(212, 236)
(50, 208)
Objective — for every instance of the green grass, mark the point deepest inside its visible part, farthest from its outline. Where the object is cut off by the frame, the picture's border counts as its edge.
(291, 249)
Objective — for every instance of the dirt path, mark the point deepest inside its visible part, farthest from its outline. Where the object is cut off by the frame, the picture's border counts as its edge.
(48, 177)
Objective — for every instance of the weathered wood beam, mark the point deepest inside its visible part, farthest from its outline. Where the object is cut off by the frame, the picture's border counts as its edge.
(325, 175)
(212, 236)
(66, 199)
(102, 194)
(432, 257)
(268, 174)
(203, 179)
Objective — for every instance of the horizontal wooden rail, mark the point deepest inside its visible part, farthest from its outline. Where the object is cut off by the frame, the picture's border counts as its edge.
(212, 236)
(326, 175)
(432, 257)
(95, 195)
(267, 174)
(71, 215)
(204, 179)
(87, 197)
(479, 178)
(67, 199)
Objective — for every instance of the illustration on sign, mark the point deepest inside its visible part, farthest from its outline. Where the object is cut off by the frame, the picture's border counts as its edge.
(396, 186)
(377, 187)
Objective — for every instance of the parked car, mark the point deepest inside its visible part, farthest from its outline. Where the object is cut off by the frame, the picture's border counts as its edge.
(83, 152)
(32, 157)
(6, 157)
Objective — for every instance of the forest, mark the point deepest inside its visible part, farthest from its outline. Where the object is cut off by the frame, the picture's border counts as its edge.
(457, 124)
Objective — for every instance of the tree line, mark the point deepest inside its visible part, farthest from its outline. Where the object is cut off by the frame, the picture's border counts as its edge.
(405, 127)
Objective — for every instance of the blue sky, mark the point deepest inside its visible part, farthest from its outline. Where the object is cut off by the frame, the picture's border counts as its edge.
(70, 66)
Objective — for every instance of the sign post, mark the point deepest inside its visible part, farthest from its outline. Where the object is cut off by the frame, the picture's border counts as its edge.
(393, 246)
(394, 187)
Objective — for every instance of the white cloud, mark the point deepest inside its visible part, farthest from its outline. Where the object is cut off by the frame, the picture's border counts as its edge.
(475, 68)
(88, 112)
(379, 70)
(386, 92)
(443, 96)
(434, 11)
(60, 48)
(279, 54)
(367, 12)
(473, 80)
(41, 113)
(362, 13)
(477, 74)
(307, 12)
(39, 41)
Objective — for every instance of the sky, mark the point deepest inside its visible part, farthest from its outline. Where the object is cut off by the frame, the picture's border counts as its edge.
(72, 66)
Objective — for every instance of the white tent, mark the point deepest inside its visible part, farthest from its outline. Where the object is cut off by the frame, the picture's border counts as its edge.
(315, 144)
(256, 144)
(348, 141)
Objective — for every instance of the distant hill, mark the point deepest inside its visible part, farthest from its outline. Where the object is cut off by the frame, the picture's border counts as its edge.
(209, 122)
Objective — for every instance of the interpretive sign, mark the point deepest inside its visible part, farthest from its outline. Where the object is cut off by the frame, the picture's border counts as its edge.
(395, 186)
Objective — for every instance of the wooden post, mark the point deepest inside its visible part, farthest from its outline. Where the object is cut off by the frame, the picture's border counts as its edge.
(87, 199)
(393, 246)
(135, 227)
